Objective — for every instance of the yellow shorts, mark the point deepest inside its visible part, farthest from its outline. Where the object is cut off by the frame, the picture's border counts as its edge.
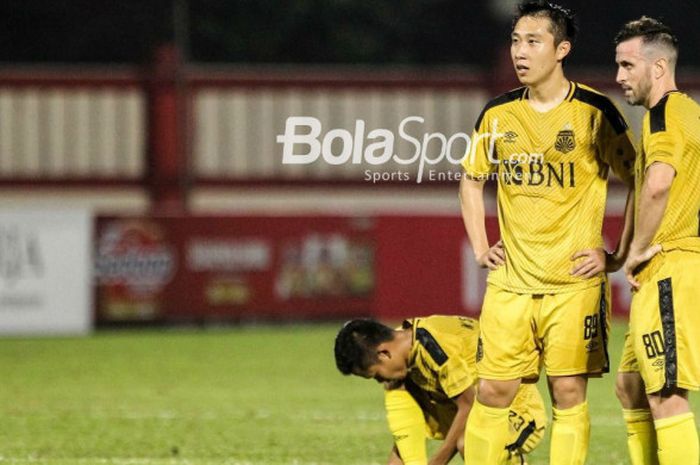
(567, 333)
(663, 343)
(528, 418)
(628, 362)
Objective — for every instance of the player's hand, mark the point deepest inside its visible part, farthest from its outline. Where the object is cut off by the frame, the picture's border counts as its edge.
(589, 262)
(493, 258)
(613, 262)
(637, 258)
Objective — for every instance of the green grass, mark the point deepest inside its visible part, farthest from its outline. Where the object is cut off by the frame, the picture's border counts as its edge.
(256, 395)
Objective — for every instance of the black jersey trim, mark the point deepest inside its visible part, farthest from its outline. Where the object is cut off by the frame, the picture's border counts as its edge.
(657, 116)
(431, 345)
(516, 94)
(603, 321)
(518, 444)
(603, 103)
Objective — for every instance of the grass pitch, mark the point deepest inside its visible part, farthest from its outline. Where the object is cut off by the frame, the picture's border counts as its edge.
(253, 396)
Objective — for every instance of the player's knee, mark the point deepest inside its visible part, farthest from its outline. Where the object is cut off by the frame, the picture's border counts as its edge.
(499, 394)
(568, 391)
(669, 403)
(621, 392)
(629, 389)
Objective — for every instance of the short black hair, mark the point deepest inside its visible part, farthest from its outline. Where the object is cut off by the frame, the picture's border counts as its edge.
(356, 344)
(650, 30)
(563, 21)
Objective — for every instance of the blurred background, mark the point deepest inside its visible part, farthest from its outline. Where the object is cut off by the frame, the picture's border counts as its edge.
(142, 180)
(144, 192)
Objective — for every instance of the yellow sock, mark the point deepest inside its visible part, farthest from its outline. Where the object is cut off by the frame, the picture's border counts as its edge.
(641, 436)
(571, 429)
(407, 425)
(678, 440)
(486, 435)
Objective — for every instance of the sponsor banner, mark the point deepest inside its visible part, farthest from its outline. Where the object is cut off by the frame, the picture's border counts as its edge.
(134, 262)
(247, 268)
(45, 272)
(230, 268)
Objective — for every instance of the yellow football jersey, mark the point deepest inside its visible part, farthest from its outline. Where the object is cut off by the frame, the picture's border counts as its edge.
(671, 134)
(552, 171)
(442, 361)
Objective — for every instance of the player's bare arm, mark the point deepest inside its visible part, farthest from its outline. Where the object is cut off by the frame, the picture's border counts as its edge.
(471, 199)
(450, 445)
(616, 259)
(590, 262)
(652, 205)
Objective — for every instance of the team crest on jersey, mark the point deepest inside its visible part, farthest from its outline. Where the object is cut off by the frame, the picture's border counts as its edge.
(566, 140)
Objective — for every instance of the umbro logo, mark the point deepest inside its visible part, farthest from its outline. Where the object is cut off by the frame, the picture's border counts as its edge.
(510, 137)
(592, 346)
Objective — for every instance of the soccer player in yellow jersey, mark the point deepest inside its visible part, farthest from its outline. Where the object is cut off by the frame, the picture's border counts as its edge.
(663, 265)
(550, 145)
(428, 369)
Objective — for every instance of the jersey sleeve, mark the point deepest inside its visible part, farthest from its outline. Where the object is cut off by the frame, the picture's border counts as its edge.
(616, 147)
(478, 163)
(664, 144)
(455, 376)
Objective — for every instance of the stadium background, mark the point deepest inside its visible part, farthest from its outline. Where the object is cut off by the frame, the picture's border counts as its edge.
(142, 184)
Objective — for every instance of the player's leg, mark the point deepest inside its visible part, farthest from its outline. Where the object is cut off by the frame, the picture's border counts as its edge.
(665, 327)
(488, 430)
(574, 330)
(407, 426)
(675, 427)
(629, 388)
(570, 420)
(506, 354)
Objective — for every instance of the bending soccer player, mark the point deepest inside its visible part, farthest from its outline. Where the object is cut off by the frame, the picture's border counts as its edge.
(428, 369)
(550, 145)
(662, 347)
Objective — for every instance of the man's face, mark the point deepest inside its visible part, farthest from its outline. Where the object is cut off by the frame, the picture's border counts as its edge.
(633, 71)
(388, 368)
(532, 50)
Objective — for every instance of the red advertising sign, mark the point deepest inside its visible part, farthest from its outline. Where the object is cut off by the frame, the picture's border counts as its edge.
(247, 268)
(134, 262)
(231, 268)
